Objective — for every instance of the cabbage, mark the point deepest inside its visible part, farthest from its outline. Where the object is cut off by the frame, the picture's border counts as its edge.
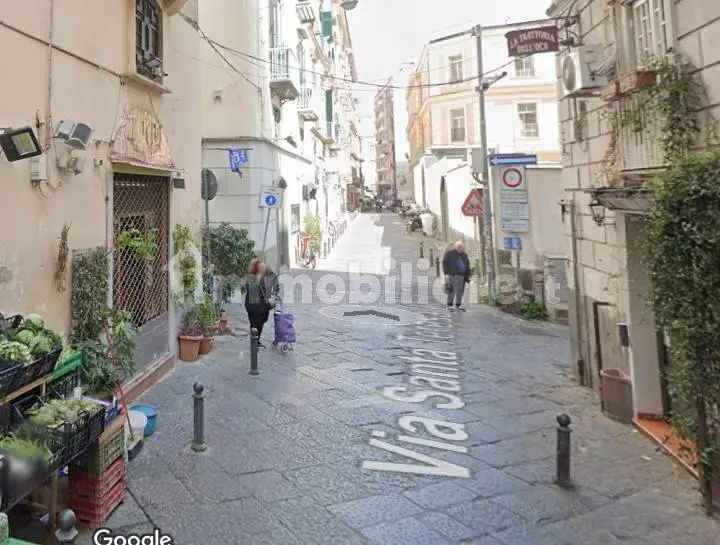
(15, 352)
(25, 336)
(41, 345)
(34, 321)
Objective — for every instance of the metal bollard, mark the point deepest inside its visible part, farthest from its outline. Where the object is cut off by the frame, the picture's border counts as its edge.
(198, 444)
(66, 532)
(254, 347)
(563, 451)
(437, 266)
(422, 250)
(432, 256)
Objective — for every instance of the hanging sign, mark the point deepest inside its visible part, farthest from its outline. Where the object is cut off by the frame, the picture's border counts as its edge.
(529, 41)
(474, 204)
(238, 157)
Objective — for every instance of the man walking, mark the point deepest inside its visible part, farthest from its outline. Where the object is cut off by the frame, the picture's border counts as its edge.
(456, 267)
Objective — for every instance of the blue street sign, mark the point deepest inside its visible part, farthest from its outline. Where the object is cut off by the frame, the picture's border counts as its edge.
(502, 159)
(512, 243)
(238, 157)
(270, 200)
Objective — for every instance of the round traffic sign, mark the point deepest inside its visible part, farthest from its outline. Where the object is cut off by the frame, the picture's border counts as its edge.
(270, 200)
(512, 178)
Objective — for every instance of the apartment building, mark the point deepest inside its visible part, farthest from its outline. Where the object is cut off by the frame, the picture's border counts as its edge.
(444, 131)
(606, 173)
(113, 98)
(282, 99)
(385, 166)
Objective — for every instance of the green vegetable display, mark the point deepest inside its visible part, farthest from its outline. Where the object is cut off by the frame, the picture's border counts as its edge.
(34, 321)
(25, 336)
(52, 416)
(15, 352)
(24, 449)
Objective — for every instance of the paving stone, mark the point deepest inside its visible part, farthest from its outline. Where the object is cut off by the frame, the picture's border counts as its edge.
(485, 516)
(440, 495)
(374, 510)
(549, 503)
(493, 482)
(447, 526)
(404, 532)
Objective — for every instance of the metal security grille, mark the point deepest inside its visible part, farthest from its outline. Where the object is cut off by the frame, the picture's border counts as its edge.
(140, 286)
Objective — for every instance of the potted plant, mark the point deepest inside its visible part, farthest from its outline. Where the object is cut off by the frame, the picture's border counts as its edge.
(207, 317)
(190, 336)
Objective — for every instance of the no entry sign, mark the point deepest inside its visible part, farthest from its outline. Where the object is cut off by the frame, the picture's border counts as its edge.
(474, 204)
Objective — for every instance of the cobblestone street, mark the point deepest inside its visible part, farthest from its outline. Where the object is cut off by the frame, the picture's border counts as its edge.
(321, 449)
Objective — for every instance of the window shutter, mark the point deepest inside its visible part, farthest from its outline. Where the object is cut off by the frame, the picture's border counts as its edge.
(327, 23)
(329, 106)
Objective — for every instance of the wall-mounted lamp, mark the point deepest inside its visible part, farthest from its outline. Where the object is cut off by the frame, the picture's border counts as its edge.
(19, 143)
(598, 211)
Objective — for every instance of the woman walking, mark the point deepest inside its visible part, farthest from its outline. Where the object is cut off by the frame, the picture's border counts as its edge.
(261, 291)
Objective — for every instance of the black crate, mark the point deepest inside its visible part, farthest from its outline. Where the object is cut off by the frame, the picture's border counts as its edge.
(63, 388)
(69, 441)
(8, 374)
(39, 368)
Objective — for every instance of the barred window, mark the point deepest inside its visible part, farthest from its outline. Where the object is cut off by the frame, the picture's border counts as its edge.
(653, 34)
(148, 38)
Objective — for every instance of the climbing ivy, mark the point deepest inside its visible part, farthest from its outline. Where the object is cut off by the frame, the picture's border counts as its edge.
(683, 256)
(89, 293)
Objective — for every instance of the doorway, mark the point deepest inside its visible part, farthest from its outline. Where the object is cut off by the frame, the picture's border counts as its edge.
(141, 205)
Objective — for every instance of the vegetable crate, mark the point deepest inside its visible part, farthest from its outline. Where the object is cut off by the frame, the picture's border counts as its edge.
(68, 441)
(62, 388)
(98, 458)
(92, 498)
(39, 368)
(7, 377)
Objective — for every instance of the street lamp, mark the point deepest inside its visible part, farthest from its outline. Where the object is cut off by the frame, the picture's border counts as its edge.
(598, 211)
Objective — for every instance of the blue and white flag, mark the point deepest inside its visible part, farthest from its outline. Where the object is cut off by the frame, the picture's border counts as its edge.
(238, 157)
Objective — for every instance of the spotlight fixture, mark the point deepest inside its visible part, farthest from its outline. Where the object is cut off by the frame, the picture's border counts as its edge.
(19, 143)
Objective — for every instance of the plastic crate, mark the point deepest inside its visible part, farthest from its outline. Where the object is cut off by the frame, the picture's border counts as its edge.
(39, 368)
(110, 446)
(92, 487)
(62, 388)
(69, 441)
(68, 365)
(8, 373)
(93, 513)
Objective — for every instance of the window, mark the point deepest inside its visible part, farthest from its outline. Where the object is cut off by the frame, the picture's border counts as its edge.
(457, 125)
(456, 68)
(525, 67)
(528, 120)
(301, 63)
(653, 35)
(148, 38)
(275, 30)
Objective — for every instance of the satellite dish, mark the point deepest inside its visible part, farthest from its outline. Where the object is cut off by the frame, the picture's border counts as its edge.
(209, 186)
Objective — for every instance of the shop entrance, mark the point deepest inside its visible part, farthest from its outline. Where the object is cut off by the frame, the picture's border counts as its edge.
(141, 205)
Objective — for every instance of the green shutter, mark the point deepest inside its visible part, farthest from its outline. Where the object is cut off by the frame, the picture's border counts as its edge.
(328, 106)
(327, 23)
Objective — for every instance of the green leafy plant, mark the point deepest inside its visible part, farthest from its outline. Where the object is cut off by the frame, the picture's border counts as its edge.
(99, 373)
(15, 352)
(121, 334)
(207, 315)
(144, 246)
(228, 251)
(182, 238)
(190, 325)
(533, 310)
(89, 293)
(313, 229)
(683, 258)
(24, 449)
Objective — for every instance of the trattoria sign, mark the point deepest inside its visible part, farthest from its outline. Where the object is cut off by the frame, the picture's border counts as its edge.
(533, 40)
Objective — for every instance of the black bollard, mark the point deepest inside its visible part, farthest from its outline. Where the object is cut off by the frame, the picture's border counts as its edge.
(563, 451)
(432, 256)
(198, 444)
(422, 250)
(66, 532)
(437, 266)
(254, 347)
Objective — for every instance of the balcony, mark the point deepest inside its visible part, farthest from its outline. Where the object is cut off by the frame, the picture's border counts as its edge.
(283, 74)
(306, 12)
(307, 104)
(639, 144)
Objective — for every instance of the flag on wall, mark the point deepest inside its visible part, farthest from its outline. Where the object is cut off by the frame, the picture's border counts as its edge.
(238, 157)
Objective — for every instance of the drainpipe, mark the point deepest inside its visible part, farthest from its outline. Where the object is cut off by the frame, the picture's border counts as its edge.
(48, 118)
(585, 376)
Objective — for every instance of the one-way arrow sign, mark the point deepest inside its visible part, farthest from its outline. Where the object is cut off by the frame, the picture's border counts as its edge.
(474, 204)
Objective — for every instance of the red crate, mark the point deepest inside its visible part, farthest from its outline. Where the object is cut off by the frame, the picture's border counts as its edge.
(87, 485)
(93, 513)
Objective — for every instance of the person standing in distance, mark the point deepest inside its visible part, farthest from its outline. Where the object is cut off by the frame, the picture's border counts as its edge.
(456, 267)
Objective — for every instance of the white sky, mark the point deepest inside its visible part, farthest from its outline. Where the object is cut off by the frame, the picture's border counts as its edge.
(387, 33)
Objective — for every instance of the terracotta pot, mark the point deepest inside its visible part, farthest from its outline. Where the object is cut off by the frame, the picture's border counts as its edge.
(223, 327)
(206, 345)
(213, 330)
(189, 347)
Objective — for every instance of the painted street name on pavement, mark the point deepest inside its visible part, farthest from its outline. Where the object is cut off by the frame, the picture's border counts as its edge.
(435, 374)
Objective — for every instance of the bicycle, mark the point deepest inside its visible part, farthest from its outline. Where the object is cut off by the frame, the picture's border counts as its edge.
(309, 256)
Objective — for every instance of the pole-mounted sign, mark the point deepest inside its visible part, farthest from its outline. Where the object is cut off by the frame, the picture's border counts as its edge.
(529, 41)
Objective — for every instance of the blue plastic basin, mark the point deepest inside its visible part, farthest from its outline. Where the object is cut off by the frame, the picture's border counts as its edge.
(151, 413)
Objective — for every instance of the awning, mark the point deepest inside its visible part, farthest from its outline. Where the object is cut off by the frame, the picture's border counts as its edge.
(635, 200)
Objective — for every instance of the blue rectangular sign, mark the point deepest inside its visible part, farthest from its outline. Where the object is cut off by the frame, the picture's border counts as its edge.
(512, 243)
(502, 159)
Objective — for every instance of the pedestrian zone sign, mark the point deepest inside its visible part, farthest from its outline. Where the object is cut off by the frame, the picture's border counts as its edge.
(270, 198)
(474, 204)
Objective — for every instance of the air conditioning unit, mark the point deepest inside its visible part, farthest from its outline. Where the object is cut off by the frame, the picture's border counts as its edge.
(579, 69)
